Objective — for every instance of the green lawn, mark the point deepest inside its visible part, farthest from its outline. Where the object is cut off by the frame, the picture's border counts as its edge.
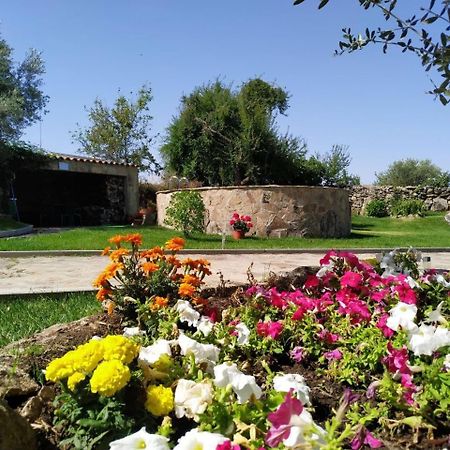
(21, 316)
(428, 231)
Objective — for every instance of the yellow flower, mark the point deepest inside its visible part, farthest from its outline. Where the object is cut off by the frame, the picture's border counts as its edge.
(74, 379)
(109, 377)
(186, 290)
(163, 364)
(120, 348)
(61, 368)
(88, 355)
(159, 400)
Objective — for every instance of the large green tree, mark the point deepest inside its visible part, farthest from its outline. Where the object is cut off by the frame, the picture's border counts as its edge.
(22, 101)
(120, 133)
(413, 172)
(226, 136)
(425, 32)
(335, 167)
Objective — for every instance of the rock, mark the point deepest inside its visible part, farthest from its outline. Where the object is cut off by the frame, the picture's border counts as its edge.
(32, 408)
(15, 432)
(15, 382)
(447, 218)
(439, 204)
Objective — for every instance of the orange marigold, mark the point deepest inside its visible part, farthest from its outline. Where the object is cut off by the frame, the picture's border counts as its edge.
(153, 253)
(188, 262)
(192, 279)
(102, 294)
(149, 267)
(117, 240)
(173, 261)
(175, 244)
(116, 255)
(110, 307)
(106, 251)
(159, 303)
(200, 301)
(186, 289)
(101, 281)
(134, 239)
(112, 269)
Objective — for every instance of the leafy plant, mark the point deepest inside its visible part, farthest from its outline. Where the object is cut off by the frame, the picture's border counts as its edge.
(186, 212)
(407, 207)
(377, 208)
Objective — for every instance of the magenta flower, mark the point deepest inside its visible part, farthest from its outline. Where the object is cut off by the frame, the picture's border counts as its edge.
(364, 437)
(297, 353)
(352, 279)
(409, 388)
(227, 445)
(277, 299)
(381, 324)
(311, 282)
(269, 329)
(280, 419)
(405, 293)
(335, 354)
(328, 337)
(396, 360)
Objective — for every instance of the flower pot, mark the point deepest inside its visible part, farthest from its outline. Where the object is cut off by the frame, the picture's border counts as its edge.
(238, 234)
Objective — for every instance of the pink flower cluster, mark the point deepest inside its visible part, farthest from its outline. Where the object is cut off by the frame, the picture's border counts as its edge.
(242, 223)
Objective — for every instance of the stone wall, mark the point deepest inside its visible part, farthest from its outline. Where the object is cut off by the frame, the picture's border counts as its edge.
(434, 198)
(276, 211)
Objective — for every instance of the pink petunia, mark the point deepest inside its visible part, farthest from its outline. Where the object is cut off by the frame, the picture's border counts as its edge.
(335, 354)
(352, 279)
(269, 329)
(227, 445)
(364, 437)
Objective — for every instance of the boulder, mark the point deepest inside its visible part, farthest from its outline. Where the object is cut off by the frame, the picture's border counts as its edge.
(15, 432)
(439, 204)
(15, 382)
(447, 218)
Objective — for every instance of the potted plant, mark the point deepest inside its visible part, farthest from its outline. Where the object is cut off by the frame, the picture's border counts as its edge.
(240, 225)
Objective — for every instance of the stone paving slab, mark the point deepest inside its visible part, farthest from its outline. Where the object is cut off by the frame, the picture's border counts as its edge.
(43, 274)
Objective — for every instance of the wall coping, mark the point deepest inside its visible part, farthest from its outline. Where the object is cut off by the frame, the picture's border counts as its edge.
(251, 187)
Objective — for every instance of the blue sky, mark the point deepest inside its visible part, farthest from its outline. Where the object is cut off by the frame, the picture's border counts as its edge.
(372, 102)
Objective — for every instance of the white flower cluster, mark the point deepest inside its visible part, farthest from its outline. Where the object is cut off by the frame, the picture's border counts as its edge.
(192, 317)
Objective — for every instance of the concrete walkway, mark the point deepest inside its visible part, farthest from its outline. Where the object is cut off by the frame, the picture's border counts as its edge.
(41, 274)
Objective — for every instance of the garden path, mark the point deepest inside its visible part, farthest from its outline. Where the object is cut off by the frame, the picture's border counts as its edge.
(44, 274)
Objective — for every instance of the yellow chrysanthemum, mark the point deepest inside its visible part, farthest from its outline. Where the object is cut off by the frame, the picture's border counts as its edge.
(74, 379)
(159, 400)
(109, 377)
(120, 348)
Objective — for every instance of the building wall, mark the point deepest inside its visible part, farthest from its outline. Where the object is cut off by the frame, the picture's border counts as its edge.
(276, 210)
(435, 199)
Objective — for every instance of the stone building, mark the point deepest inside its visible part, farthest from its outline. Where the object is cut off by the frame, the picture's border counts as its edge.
(77, 190)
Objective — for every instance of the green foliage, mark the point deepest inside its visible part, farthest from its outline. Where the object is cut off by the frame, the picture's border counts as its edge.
(336, 163)
(120, 133)
(225, 137)
(407, 207)
(22, 102)
(90, 422)
(413, 172)
(377, 208)
(186, 212)
(409, 35)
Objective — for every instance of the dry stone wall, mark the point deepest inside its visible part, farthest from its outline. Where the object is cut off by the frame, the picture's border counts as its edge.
(434, 198)
(277, 211)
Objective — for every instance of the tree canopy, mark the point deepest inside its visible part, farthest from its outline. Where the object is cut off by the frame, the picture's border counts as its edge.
(413, 172)
(335, 167)
(22, 101)
(426, 33)
(120, 133)
(226, 136)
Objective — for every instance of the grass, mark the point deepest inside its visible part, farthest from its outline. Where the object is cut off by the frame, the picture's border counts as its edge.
(22, 316)
(367, 232)
(6, 223)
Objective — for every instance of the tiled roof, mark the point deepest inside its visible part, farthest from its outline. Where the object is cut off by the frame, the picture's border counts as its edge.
(82, 158)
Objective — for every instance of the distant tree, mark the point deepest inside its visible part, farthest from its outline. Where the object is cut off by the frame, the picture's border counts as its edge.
(120, 133)
(336, 163)
(431, 45)
(229, 137)
(413, 172)
(21, 100)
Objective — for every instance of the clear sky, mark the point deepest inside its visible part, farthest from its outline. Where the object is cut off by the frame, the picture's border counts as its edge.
(372, 102)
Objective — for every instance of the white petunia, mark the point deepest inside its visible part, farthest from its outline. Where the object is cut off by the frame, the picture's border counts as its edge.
(441, 337)
(284, 383)
(151, 354)
(447, 363)
(139, 440)
(187, 313)
(243, 332)
(421, 340)
(441, 280)
(436, 315)
(132, 331)
(325, 269)
(244, 386)
(200, 440)
(205, 325)
(191, 398)
(208, 353)
(303, 430)
(402, 315)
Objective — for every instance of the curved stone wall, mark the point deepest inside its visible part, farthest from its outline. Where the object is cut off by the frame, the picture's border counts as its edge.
(277, 211)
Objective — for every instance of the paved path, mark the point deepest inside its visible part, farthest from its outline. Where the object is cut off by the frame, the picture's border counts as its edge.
(21, 275)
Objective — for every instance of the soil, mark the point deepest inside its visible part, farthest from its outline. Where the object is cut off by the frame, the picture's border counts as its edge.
(325, 394)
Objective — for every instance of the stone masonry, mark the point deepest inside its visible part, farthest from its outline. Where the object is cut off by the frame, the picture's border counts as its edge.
(434, 198)
(277, 211)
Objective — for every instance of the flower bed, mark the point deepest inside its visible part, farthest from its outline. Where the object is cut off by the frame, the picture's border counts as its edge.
(356, 357)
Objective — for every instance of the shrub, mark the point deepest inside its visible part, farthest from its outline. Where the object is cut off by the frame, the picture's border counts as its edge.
(377, 208)
(186, 212)
(407, 207)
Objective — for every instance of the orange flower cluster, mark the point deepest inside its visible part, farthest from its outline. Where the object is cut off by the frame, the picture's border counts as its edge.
(135, 239)
(201, 265)
(159, 303)
(175, 244)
